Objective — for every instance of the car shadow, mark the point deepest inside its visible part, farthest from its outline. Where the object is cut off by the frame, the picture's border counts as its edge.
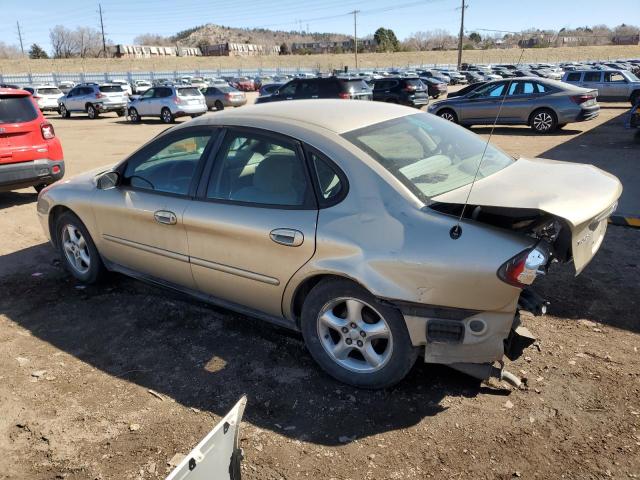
(13, 199)
(150, 121)
(206, 357)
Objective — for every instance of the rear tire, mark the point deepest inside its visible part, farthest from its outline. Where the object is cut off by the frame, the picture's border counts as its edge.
(92, 112)
(121, 113)
(543, 121)
(219, 105)
(166, 116)
(38, 188)
(635, 97)
(355, 338)
(448, 114)
(78, 253)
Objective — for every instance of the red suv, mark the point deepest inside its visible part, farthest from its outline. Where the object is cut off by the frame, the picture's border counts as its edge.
(30, 153)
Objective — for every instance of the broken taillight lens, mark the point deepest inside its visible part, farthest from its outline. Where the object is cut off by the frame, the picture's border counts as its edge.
(523, 269)
(47, 131)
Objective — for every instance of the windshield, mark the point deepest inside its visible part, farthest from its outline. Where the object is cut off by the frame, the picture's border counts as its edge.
(429, 155)
(188, 92)
(49, 91)
(111, 88)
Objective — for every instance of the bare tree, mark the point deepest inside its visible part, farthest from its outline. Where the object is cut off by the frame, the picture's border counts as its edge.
(82, 42)
(9, 51)
(152, 39)
(61, 42)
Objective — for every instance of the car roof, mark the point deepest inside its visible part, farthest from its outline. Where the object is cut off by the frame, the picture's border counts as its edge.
(338, 116)
(18, 92)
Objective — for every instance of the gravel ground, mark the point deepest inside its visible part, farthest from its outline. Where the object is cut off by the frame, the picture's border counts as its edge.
(111, 381)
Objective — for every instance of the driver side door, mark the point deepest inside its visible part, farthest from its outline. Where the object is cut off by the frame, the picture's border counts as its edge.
(140, 222)
(143, 102)
(482, 106)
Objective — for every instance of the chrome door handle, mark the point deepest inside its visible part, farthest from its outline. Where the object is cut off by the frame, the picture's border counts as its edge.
(287, 236)
(166, 217)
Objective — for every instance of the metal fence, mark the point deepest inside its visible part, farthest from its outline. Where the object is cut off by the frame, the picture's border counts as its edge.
(57, 77)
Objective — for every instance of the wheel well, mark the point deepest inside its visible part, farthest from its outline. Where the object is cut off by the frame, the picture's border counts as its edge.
(53, 217)
(305, 287)
(86, 106)
(555, 116)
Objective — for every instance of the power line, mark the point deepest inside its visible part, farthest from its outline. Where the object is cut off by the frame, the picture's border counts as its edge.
(461, 36)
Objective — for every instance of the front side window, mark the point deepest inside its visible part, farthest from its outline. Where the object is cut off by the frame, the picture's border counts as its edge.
(258, 169)
(289, 89)
(149, 93)
(428, 155)
(169, 167)
(308, 89)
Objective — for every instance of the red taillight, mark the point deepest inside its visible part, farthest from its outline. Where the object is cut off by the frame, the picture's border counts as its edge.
(344, 96)
(47, 131)
(522, 269)
(227, 96)
(178, 101)
(582, 98)
(409, 88)
(100, 95)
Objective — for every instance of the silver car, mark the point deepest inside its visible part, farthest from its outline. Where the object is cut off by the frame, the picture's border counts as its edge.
(168, 102)
(612, 85)
(94, 99)
(344, 221)
(544, 105)
(219, 97)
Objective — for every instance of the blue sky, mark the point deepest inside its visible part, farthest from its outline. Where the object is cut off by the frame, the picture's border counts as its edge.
(124, 19)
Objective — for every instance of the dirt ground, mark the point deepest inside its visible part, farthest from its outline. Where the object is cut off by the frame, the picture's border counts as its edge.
(324, 62)
(111, 381)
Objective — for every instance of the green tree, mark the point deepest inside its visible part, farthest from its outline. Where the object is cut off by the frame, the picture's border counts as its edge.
(386, 40)
(475, 37)
(36, 51)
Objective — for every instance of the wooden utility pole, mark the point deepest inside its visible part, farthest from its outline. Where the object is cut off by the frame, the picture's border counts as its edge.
(355, 33)
(20, 38)
(104, 43)
(461, 36)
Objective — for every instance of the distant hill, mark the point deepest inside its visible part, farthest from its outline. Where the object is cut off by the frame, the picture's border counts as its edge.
(211, 34)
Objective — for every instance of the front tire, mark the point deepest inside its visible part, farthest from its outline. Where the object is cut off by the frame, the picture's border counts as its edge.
(355, 338)
(219, 105)
(635, 96)
(77, 250)
(134, 116)
(64, 113)
(166, 116)
(121, 113)
(543, 121)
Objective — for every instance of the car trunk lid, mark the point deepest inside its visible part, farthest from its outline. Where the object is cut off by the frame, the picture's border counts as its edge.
(582, 195)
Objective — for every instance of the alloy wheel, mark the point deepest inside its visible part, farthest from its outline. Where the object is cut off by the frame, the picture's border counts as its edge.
(542, 122)
(355, 335)
(166, 116)
(76, 249)
(447, 116)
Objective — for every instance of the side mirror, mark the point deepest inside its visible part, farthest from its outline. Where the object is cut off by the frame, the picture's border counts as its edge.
(108, 180)
(277, 92)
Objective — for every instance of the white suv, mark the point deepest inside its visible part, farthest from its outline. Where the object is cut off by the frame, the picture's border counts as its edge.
(168, 102)
(46, 96)
(94, 99)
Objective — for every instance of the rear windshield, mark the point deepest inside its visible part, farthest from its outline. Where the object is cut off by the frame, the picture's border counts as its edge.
(110, 88)
(414, 82)
(355, 85)
(428, 155)
(226, 89)
(188, 92)
(17, 110)
(49, 91)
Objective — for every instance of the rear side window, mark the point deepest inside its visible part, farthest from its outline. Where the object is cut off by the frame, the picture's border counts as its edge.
(110, 88)
(330, 186)
(188, 92)
(592, 77)
(329, 89)
(17, 110)
(573, 77)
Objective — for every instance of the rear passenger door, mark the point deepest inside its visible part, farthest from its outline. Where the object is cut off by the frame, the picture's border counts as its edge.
(593, 80)
(253, 223)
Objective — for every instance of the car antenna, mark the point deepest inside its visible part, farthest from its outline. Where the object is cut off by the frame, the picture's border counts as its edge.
(456, 231)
